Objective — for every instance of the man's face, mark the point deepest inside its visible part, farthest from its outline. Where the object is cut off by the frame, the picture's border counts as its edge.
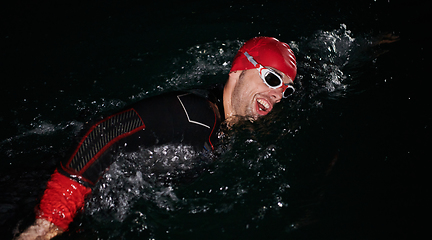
(252, 98)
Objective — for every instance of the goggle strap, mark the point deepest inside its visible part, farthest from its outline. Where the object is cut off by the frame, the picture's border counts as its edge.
(250, 59)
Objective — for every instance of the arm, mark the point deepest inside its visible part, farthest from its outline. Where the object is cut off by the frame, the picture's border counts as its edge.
(61, 201)
(71, 183)
(173, 118)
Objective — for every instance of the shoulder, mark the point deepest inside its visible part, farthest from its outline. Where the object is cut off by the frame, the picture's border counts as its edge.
(197, 109)
(191, 104)
(180, 116)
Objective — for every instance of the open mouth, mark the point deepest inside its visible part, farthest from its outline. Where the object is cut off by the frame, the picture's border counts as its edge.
(263, 106)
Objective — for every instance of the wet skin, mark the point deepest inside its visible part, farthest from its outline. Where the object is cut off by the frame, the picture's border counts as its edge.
(250, 96)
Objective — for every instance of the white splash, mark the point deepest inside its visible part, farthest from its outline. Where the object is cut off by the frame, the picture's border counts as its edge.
(146, 174)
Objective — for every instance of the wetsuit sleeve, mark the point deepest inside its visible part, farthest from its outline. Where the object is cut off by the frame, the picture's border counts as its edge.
(175, 118)
(71, 183)
(91, 158)
(62, 199)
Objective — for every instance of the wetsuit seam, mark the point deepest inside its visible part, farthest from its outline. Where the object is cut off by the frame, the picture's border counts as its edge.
(187, 115)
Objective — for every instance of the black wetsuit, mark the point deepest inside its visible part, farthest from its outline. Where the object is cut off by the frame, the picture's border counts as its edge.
(179, 117)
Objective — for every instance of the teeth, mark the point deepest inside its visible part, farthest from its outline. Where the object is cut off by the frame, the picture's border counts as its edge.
(263, 103)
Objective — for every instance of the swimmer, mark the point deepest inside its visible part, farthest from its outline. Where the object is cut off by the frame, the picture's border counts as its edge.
(262, 75)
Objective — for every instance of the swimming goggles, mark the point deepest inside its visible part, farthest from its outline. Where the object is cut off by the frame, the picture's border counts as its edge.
(271, 78)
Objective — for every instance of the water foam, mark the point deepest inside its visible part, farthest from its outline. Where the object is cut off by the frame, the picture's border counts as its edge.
(148, 174)
(321, 62)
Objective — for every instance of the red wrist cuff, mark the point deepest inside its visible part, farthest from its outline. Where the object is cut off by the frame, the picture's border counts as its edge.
(62, 199)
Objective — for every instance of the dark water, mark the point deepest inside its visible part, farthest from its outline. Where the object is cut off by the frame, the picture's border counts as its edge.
(341, 159)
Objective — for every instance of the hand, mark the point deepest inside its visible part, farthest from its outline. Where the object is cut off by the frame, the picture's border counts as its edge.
(41, 229)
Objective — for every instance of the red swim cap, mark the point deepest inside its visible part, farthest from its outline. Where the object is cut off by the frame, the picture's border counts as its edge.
(267, 51)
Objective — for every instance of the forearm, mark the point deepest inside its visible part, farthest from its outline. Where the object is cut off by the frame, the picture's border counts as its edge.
(41, 229)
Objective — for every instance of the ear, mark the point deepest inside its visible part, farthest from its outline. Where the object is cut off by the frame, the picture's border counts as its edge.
(235, 74)
(233, 77)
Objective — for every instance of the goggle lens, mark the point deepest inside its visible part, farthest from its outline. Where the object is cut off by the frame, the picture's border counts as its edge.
(273, 80)
(288, 91)
(270, 78)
